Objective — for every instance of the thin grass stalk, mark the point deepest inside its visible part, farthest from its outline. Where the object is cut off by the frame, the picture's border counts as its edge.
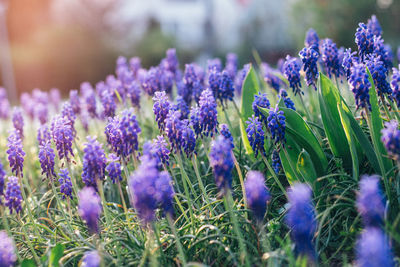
(276, 178)
(179, 246)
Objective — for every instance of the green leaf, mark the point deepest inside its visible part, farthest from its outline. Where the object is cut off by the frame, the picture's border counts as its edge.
(377, 125)
(328, 98)
(249, 89)
(306, 168)
(56, 254)
(293, 151)
(350, 139)
(28, 263)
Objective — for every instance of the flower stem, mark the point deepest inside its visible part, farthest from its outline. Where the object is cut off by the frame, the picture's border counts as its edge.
(273, 174)
(178, 242)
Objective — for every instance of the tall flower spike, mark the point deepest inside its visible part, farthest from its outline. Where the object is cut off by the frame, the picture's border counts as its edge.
(18, 122)
(114, 168)
(373, 248)
(142, 187)
(379, 73)
(221, 162)
(214, 81)
(43, 134)
(94, 162)
(46, 159)
(130, 130)
(2, 181)
(329, 56)
(63, 136)
(172, 60)
(161, 108)
(65, 183)
(301, 219)
(255, 134)
(89, 98)
(190, 81)
(309, 57)
(108, 102)
(291, 70)
(182, 107)
(8, 257)
(260, 101)
(133, 92)
(226, 88)
(288, 102)
(312, 40)
(257, 194)
(68, 113)
(13, 195)
(91, 259)
(359, 85)
(89, 208)
(349, 58)
(75, 101)
(373, 26)
(165, 192)
(160, 150)
(276, 161)
(370, 201)
(208, 113)
(384, 51)
(271, 78)
(224, 131)
(364, 40)
(188, 139)
(15, 154)
(277, 125)
(195, 120)
(395, 85)
(157, 79)
(391, 139)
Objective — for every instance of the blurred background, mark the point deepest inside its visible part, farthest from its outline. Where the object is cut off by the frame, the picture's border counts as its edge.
(61, 43)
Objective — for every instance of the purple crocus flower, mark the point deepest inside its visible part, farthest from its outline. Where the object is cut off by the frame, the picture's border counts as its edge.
(15, 154)
(391, 139)
(161, 108)
(65, 183)
(301, 219)
(94, 162)
(8, 257)
(91, 259)
(221, 161)
(18, 122)
(114, 168)
(257, 193)
(89, 208)
(208, 113)
(63, 137)
(13, 197)
(46, 159)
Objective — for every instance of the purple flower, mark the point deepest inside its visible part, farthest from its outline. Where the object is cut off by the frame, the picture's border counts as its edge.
(329, 56)
(172, 63)
(55, 98)
(130, 130)
(189, 84)
(188, 139)
(157, 80)
(15, 154)
(43, 134)
(214, 81)
(208, 113)
(301, 219)
(224, 131)
(13, 195)
(276, 161)
(277, 125)
(270, 77)
(46, 159)
(241, 75)
(161, 108)
(165, 192)
(8, 257)
(68, 113)
(109, 105)
(312, 40)
(231, 65)
(391, 139)
(360, 85)
(379, 73)
(114, 168)
(63, 136)
(65, 183)
(395, 85)
(89, 208)
(364, 40)
(91, 259)
(226, 88)
(173, 128)
(257, 194)
(373, 26)
(89, 98)
(309, 57)
(373, 249)
(41, 112)
(75, 101)
(2, 180)
(255, 134)
(370, 201)
(288, 102)
(28, 105)
(349, 58)
(292, 73)
(384, 51)
(4, 104)
(260, 101)
(94, 162)
(158, 150)
(182, 107)
(195, 120)
(133, 92)
(222, 164)
(18, 122)
(214, 63)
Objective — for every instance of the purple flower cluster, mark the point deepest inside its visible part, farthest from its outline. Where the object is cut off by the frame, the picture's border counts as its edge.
(329, 56)
(89, 208)
(288, 102)
(221, 84)
(360, 85)
(46, 159)
(89, 99)
(379, 73)
(257, 194)
(91, 259)
(276, 161)
(373, 26)
(114, 168)
(4, 104)
(65, 184)
(231, 65)
(43, 134)
(291, 70)
(364, 40)
(157, 79)
(63, 136)
(192, 85)
(309, 56)
(8, 257)
(18, 122)
(221, 161)
(312, 40)
(208, 113)
(240, 76)
(260, 101)
(349, 58)
(225, 132)
(161, 108)
(277, 124)
(395, 85)
(255, 134)
(391, 139)
(271, 78)
(15, 153)
(13, 195)
(2, 180)
(94, 162)
(75, 101)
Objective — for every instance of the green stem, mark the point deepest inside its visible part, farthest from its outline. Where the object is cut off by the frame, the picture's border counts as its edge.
(239, 171)
(201, 185)
(35, 256)
(73, 181)
(308, 115)
(157, 236)
(60, 207)
(178, 241)
(229, 204)
(273, 174)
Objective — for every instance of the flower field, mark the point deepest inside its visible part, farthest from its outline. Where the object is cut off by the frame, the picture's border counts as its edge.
(216, 165)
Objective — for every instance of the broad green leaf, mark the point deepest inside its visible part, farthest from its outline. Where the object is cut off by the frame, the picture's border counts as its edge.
(377, 125)
(288, 163)
(328, 98)
(249, 89)
(56, 254)
(350, 139)
(305, 166)
(28, 263)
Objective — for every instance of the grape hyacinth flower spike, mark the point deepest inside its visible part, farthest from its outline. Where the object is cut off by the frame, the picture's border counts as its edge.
(225, 132)
(8, 257)
(286, 99)
(2, 181)
(18, 122)
(364, 40)
(65, 183)
(312, 40)
(360, 85)
(301, 219)
(161, 108)
(89, 208)
(94, 162)
(91, 259)
(391, 139)
(46, 159)
(260, 101)
(63, 136)
(257, 194)
(329, 56)
(13, 197)
(395, 85)
(309, 57)
(277, 125)
(256, 135)
(15, 154)
(114, 168)
(291, 70)
(208, 113)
